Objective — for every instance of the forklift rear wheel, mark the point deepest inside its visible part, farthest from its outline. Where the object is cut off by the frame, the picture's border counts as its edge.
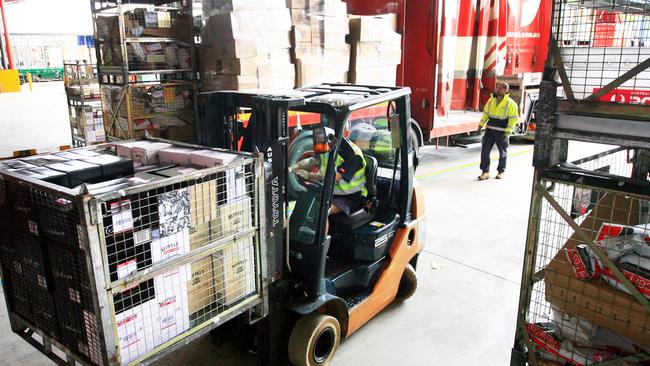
(407, 284)
(314, 340)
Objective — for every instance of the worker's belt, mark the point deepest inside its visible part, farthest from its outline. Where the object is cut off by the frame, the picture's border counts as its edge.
(497, 124)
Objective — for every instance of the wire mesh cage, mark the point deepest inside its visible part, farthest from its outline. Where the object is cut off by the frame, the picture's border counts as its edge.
(131, 110)
(84, 104)
(603, 41)
(580, 311)
(116, 263)
(144, 37)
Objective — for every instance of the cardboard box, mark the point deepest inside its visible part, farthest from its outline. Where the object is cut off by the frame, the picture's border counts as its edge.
(276, 71)
(211, 158)
(146, 152)
(135, 331)
(595, 300)
(274, 20)
(171, 304)
(364, 54)
(282, 56)
(238, 66)
(379, 75)
(233, 25)
(200, 287)
(229, 49)
(212, 81)
(175, 155)
(234, 267)
(298, 4)
(300, 34)
(233, 217)
(300, 17)
(200, 235)
(370, 28)
(170, 246)
(203, 196)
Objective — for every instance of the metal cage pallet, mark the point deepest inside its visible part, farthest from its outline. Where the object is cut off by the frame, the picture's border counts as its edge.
(142, 46)
(84, 104)
(126, 272)
(584, 294)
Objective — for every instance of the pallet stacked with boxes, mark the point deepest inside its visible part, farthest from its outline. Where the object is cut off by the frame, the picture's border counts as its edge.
(245, 45)
(375, 50)
(146, 69)
(318, 40)
(121, 251)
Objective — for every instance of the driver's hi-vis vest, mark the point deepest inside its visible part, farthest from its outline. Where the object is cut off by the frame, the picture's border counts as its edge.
(358, 181)
(500, 116)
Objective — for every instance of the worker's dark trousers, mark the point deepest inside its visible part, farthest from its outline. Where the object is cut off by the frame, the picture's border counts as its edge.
(490, 138)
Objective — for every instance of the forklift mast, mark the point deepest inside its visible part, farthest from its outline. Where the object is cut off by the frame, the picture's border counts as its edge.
(266, 133)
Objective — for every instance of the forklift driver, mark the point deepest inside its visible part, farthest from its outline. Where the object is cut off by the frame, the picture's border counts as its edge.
(350, 182)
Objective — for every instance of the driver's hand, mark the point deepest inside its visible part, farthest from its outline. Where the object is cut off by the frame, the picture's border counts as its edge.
(302, 173)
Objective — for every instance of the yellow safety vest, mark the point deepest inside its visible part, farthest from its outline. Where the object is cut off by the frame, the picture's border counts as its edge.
(358, 182)
(500, 116)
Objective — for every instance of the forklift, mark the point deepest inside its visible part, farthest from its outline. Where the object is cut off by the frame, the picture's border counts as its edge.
(327, 275)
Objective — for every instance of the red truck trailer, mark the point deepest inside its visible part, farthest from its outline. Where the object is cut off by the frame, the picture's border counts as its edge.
(454, 50)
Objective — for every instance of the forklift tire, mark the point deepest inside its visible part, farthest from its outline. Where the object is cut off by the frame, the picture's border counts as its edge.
(314, 340)
(407, 284)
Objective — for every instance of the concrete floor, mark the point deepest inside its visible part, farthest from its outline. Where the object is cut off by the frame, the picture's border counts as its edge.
(464, 311)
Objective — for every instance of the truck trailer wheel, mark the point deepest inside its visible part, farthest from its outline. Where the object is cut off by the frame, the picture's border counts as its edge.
(407, 284)
(314, 340)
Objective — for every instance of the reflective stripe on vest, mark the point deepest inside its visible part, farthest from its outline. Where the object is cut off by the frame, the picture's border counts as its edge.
(496, 122)
(358, 182)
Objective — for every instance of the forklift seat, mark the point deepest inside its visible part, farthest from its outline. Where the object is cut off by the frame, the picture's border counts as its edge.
(362, 216)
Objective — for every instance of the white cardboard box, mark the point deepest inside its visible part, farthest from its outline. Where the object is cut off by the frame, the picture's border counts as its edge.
(170, 246)
(175, 155)
(135, 331)
(234, 267)
(211, 158)
(123, 149)
(146, 153)
(172, 310)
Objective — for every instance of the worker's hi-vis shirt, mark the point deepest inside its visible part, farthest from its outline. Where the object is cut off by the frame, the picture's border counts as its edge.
(500, 116)
(352, 167)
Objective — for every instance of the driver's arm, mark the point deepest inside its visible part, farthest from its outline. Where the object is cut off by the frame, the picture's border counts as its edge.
(305, 164)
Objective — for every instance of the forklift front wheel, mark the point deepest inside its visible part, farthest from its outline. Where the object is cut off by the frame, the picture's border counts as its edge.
(407, 284)
(314, 340)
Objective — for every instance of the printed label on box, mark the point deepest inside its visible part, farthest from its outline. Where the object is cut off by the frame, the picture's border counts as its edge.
(201, 290)
(142, 236)
(169, 246)
(126, 268)
(234, 217)
(235, 276)
(174, 211)
(122, 217)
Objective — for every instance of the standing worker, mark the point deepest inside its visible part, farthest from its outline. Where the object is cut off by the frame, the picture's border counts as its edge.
(500, 116)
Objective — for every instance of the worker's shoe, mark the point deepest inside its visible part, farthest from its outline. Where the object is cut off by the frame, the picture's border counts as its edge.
(484, 176)
(500, 175)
